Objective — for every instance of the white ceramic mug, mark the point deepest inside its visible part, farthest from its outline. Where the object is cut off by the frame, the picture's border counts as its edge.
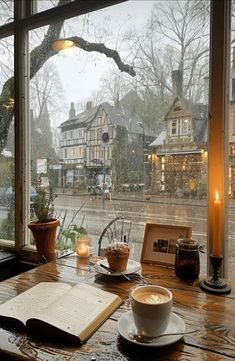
(151, 307)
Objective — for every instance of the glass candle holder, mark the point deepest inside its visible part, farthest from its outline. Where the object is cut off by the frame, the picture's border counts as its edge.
(83, 246)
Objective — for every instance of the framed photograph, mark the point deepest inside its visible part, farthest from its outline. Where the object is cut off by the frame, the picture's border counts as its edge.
(159, 244)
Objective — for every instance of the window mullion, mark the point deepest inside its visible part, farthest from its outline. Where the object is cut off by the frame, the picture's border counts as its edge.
(21, 118)
(60, 13)
(218, 120)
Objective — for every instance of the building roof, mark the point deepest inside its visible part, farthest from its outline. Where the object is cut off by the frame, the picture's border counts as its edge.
(159, 140)
(180, 152)
(82, 119)
(183, 107)
(124, 118)
(118, 116)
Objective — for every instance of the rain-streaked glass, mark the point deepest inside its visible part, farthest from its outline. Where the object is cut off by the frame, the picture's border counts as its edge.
(7, 153)
(123, 141)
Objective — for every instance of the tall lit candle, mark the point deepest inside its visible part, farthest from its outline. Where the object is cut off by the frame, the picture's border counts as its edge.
(217, 226)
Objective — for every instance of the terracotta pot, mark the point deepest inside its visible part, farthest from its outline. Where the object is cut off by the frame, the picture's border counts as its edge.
(45, 238)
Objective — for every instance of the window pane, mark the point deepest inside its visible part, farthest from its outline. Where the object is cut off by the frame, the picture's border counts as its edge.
(139, 133)
(42, 5)
(7, 156)
(6, 11)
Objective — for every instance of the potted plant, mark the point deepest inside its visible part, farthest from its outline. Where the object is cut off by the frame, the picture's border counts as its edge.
(44, 226)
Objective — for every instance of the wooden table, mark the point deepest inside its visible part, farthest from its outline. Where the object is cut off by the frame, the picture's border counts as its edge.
(213, 315)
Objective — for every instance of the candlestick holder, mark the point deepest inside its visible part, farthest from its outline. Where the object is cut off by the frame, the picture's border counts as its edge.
(215, 284)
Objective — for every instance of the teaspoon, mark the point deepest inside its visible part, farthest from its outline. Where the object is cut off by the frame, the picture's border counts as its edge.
(149, 339)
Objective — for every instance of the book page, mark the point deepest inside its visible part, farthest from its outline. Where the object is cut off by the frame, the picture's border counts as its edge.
(26, 304)
(81, 310)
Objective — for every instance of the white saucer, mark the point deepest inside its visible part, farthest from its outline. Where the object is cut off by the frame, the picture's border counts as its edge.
(132, 266)
(126, 326)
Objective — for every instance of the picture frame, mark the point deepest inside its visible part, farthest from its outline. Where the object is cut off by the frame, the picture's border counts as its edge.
(159, 245)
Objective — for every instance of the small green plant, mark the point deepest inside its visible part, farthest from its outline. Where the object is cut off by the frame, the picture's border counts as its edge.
(69, 237)
(43, 204)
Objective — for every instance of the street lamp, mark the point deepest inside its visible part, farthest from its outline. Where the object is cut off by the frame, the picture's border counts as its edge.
(62, 44)
(140, 124)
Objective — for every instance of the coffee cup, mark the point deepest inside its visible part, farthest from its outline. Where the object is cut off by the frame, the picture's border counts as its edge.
(151, 308)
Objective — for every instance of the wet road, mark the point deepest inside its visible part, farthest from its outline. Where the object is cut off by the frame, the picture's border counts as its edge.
(98, 213)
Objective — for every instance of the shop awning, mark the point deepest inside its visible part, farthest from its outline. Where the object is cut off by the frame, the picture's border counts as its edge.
(182, 152)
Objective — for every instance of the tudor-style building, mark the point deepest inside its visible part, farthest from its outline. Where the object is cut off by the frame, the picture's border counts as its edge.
(179, 153)
(103, 144)
(72, 150)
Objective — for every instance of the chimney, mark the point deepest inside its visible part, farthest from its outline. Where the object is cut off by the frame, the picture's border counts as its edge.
(88, 105)
(177, 82)
(71, 111)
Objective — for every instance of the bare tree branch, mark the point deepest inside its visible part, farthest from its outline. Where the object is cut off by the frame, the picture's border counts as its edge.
(38, 56)
(101, 48)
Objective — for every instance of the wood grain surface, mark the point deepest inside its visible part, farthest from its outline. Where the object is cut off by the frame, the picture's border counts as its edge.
(213, 315)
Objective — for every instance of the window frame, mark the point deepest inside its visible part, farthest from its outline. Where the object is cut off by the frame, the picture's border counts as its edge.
(176, 127)
(25, 20)
(184, 123)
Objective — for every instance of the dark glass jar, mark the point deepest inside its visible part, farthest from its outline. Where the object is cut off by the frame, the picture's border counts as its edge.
(187, 261)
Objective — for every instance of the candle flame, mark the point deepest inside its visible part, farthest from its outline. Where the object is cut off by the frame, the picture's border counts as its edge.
(216, 195)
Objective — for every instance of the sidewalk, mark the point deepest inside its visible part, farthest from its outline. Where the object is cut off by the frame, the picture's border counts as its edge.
(142, 196)
(139, 196)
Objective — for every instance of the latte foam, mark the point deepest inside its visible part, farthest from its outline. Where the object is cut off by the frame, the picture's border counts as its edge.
(151, 297)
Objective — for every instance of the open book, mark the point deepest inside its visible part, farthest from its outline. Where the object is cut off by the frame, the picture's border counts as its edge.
(60, 310)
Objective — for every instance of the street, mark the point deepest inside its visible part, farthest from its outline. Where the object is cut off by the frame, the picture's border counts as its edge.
(99, 212)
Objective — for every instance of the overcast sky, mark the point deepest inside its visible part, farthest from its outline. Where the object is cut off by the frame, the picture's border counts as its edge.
(80, 73)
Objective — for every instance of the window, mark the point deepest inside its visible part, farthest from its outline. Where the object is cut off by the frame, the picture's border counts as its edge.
(152, 100)
(92, 154)
(42, 5)
(6, 11)
(80, 133)
(99, 133)
(110, 131)
(183, 126)
(174, 127)
(92, 134)
(7, 156)
(80, 152)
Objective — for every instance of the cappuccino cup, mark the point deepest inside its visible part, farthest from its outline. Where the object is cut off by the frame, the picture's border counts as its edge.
(151, 308)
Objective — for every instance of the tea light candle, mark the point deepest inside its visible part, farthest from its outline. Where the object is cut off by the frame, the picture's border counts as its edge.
(217, 226)
(83, 247)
